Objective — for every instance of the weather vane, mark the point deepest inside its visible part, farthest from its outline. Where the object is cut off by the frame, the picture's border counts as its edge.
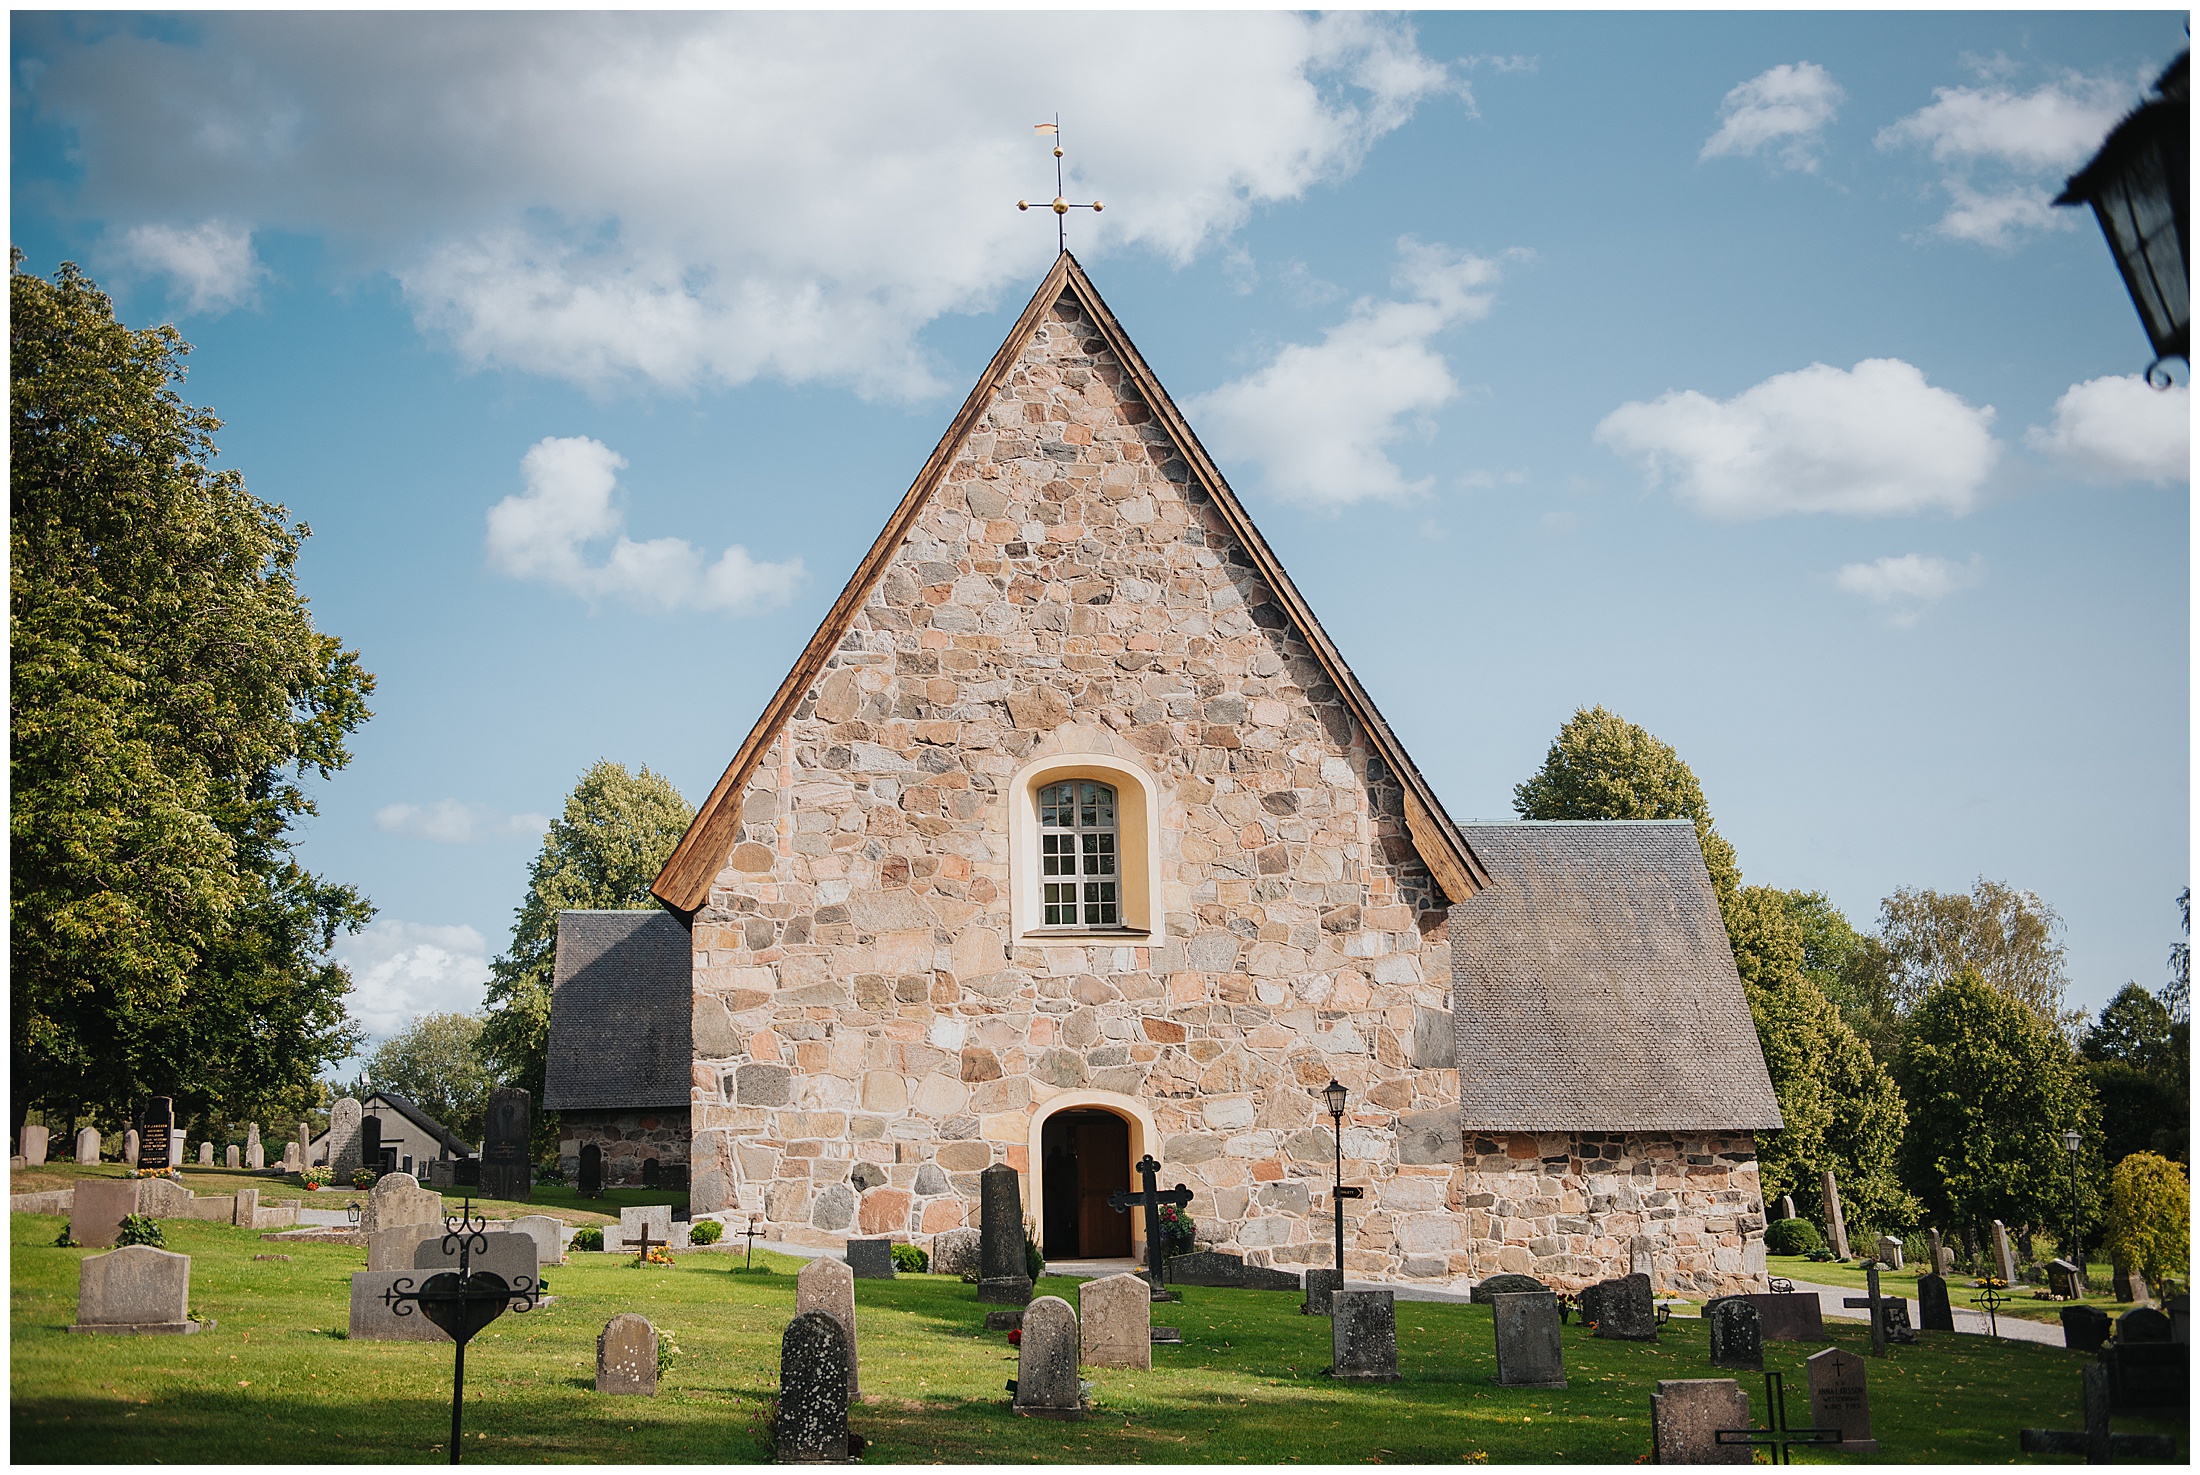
(1061, 207)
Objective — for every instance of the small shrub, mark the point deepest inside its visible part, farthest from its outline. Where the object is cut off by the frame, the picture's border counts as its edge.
(590, 1238)
(910, 1259)
(550, 1172)
(363, 1178)
(970, 1277)
(667, 1350)
(1176, 1229)
(1035, 1259)
(316, 1177)
(63, 1242)
(1792, 1237)
(706, 1232)
(1822, 1255)
(140, 1229)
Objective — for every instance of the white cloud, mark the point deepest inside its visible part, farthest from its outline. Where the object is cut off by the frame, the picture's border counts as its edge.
(1870, 441)
(689, 198)
(211, 266)
(401, 970)
(1319, 418)
(1998, 219)
(1788, 105)
(543, 534)
(1904, 586)
(455, 822)
(2120, 429)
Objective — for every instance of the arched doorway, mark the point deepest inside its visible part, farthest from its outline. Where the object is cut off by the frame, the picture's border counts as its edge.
(1087, 1153)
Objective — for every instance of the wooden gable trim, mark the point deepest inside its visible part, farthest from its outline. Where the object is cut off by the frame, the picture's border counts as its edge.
(684, 883)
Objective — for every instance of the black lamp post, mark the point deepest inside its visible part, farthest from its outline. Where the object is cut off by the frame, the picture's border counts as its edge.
(2071, 1141)
(1334, 1095)
(2140, 190)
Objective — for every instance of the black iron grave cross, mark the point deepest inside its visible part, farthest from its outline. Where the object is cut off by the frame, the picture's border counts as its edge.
(755, 1220)
(1151, 1200)
(461, 1303)
(1777, 1435)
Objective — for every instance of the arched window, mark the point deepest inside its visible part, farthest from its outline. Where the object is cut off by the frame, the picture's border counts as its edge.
(1077, 854)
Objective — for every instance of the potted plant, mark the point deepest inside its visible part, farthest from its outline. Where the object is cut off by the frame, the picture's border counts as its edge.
(315, 1178)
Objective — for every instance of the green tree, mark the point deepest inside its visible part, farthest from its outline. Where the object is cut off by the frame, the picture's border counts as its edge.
(436, 1063)
(2006, 935)
(1990, 1089)
(2149, 1217)
(170, 696)
(601, 854)
(2135, 1055)
(2135, 1028)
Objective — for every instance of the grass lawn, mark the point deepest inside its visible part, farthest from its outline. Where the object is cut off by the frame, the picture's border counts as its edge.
(1960, 1291)
(277, 1380)
(558, 1203)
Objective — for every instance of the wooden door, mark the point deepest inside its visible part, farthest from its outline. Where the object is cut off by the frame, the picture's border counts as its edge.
(1103, 1167)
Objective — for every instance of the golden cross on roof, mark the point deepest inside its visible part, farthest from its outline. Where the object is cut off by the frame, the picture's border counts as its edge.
(1061, 206)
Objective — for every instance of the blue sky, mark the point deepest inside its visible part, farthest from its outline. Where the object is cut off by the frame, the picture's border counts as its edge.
(1728, 370)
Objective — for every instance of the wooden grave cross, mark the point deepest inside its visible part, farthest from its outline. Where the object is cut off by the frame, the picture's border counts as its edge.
(644, 1244)
(1878, 1305)
(1151, 1200)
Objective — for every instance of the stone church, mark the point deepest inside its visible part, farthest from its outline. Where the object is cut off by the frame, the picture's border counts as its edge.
(1071, 837)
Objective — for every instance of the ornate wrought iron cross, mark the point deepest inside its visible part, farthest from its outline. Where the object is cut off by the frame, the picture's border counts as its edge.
(1151, 1200)
(463, 1302)
(1060, 206)
(1778, 1435)
(755, 1220)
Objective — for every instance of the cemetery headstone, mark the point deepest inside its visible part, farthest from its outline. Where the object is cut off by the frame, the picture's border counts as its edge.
(1321, 1290)
(344, 1116)
(1622, 1309)
(175, 1149)
(1686, 1415)
(2095, 1443)
(2085, 1328)
(375, 1320)
(136, 1289)
(1895, 1313)
(1737, 1335)
(2180, 1318)
(245, 1209)
(1939, 1265)
(2124, 1281)
(1488, 1289)
(392, 1249)
(1363, 1336)
(1115, 1322)
(812, 1424)
(1529, 1351)
(643, 1228)
(1220, 1268)
(505, 1148)
(1840, 1400)
(156, 1125)
(2148, 1377)
(1046, 1361)
(2143, 1324)
(1934, 1314)
(955, 1251)
(650, 1175)
(591, 1172)
(626, 1356)
(829, 1286)
(1003, 1276)
(98, 1208)
(231, 1157)
(505, 1254)
(871, 1259)
(548, 1234)
(1835, 1224)
(304, 1145)
(87, 1145)
(370, 1141)
(1789, 1316)
(255, 1151)
(398, 1198)
(2064, 1280)
(206, 1154)
(1787, 1206)
(34, 1143)
(293, 1160)
(130, 1146)
(1888, 1252)
(2005, 1260)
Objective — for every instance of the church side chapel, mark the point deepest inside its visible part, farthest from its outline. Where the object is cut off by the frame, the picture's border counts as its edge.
(1072, 838)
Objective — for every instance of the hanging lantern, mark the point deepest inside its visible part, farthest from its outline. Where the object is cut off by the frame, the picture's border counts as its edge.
(2140, 189)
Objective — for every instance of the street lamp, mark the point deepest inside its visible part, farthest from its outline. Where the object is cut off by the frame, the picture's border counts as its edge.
(2140, 192)
(2071, 1141)
(1334, 1095)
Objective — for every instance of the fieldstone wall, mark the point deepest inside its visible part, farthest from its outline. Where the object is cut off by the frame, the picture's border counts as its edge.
(1572, 1208)
(868, 1034)
(626, 1139)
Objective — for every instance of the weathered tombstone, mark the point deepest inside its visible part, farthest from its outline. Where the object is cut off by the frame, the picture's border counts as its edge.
(829, 1286)
(244, 1208)
(255, 1152)
(650, 1175)
(206, 1154)
(548, 1234)
(955, 1251)
(1894, 1314)
(2064, 1280)
(1934, 1314)
(374, 1319)
(505, 1147)
(1115, 1322)
(136, 1289)
(1487, 1290)
(1686, 1415)
(1622, 1309)
(1840, 1400)
(98, 1208)
(812, 1424)
(591, 1174)
(370, 1141)
(398, 1198)
(130, 1146)
(643, 1229)
(1737, 1335)
(1046, 1361)
(2144, 1324)
(2085, 1328)
(1888, 1252)
(871, 1259)
(344, 1116)
(392, 1248)
(34, 1143)
(1789, 1316)
(156, 1126)
(511, 1256)
(293, 1160)
(1363, 1336)
(231, 1157)
(2005, 1260)
(1003, 1275)
(1940, 1264)
(1787, 1206)
(2180, 1318)
(2121, 1282)
(1529, 1352)
(626, 1356)
(2095, 1443)
(1835, 1224)
(175, 1149)
(2148, 1377)
(304, 1145)
(87, 1145)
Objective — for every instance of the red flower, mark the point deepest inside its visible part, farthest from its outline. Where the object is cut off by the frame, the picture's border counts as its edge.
(1016, 1336)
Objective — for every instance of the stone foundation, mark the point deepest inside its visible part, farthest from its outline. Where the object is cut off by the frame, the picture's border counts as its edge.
(626, 1139)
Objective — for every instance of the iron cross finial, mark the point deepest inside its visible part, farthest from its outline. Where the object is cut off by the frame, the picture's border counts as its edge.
(1061, 207)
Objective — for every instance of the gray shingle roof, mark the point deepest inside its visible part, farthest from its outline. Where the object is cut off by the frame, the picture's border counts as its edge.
(1593, 988)
(621, 1013)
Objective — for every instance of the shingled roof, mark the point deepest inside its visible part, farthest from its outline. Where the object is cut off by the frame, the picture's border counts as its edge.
(621, 1011)
(1593, 988)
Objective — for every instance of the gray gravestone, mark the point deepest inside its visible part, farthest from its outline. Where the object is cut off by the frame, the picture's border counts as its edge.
(1894, 1313)
(1835, 1224)
(97, 1210)
(2085, 1328)
(87, 1145)
(828, 1285)
(1934, 1314)
(1790, 1316)
(231, 1157)
(656, 1219)
(511, 1256)
(206, 1154)
(2143, 1325)
(506, 1147)
(1840, 1400)
(175, 1149)
(1622, 1310)
(955, 1251)
(1686, 1415)
(1787, 1206)
(375, 1320)
(398, 1199)
(1217, 1268)
(1321, 1291)
(548, 1234)
(244, 1209)
(1889, 1251)
(1486, 1290)
(255, 1152)
(626, 1356)
(1115, 1322)
(812, 1424)
(156, 1130)
(1737, 1335)
(293, 1160)
(34, 1145)
(2005, 1260)
(130, 1146)
(1003, 1275)
(1363, 1336)
(392, 1249)
(1046, 1361)
(136, 1289)
(2180, 1318)
(1940, 1262)
(305, 1145)
(871, 1259)
(344, 1116)
(1529, 1352)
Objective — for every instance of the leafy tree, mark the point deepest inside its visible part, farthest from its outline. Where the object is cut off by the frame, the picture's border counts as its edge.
(602, 853)
(2136, 1029)
(1841, 1108)
(2139, 1112)
(1990, 1089)
(2149, 1214)
(2007, 936)
(170, 696)
(436, 1063)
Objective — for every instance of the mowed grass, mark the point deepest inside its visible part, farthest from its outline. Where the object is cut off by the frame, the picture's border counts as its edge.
(277, 1380)
(555, 1200)
(2020, 1300)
